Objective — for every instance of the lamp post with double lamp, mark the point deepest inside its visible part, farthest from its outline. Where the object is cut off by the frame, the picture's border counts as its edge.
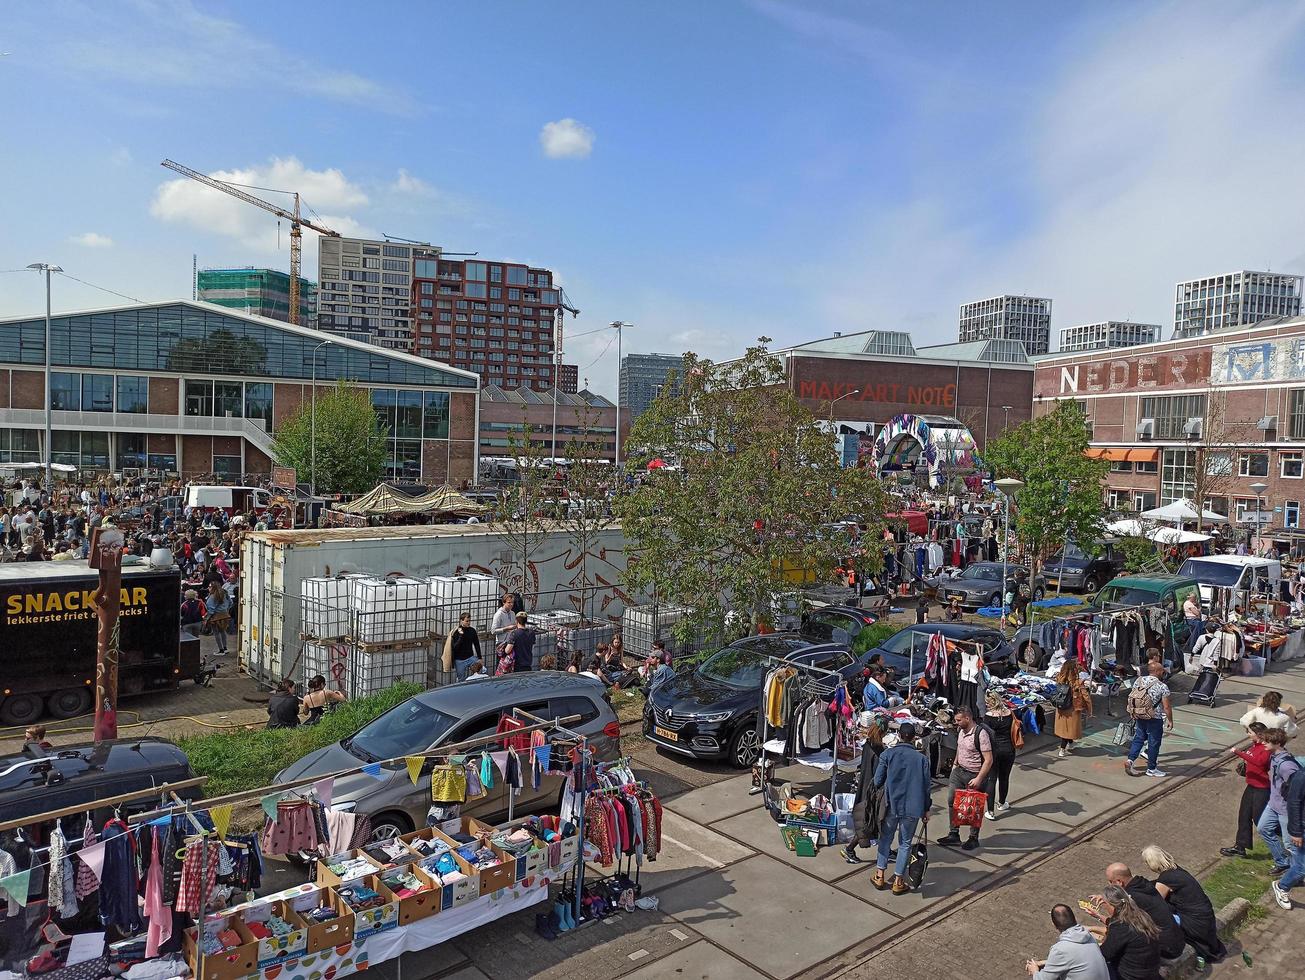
(1259, 489)
(1008, 487)
(48, 269)
(312, 425)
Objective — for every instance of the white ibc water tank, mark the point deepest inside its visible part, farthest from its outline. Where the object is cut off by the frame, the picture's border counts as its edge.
(452, 595)
(390, 610)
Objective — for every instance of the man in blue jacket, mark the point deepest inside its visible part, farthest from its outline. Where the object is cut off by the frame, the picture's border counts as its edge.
(903, 771)
(1293, 796)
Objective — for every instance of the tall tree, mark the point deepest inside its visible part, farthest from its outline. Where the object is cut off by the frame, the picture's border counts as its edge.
(521, 516)
(1062, 494)
(1216, 450)
(589, 478)
(349, 443)
(752, 486)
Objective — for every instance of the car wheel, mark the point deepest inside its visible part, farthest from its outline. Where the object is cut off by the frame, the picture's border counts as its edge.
(1091, 584)
(389, 826)
(1030, 654)
(995, 600)
(20, 709)
(69, 703)
(745, 746)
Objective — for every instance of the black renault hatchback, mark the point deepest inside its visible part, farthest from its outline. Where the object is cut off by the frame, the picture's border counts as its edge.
(711, 712)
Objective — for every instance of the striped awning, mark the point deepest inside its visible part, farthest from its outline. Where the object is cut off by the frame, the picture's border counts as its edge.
(1121, 454)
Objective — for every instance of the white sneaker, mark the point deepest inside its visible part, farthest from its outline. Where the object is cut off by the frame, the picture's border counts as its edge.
(1060, 752)
(1281, 897)
(1156, 773)
(990, 815)
(1003, 807)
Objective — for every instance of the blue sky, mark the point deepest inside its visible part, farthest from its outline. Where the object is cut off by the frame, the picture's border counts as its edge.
(763, 167)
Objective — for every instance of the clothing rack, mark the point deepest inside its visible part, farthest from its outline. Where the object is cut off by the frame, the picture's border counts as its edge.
(839, 682)
(625, 863)
(109, 801)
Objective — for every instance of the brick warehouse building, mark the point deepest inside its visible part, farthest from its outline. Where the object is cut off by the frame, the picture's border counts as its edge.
(198, 389)
(1205, 416)
(986, 384)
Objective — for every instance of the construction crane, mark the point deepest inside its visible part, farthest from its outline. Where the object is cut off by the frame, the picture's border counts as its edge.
(296, 222)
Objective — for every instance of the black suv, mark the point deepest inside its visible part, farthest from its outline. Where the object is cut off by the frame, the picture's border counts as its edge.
(1074, 568)
(711, 711)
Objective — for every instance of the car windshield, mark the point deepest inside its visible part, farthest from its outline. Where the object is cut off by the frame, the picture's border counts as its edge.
(1125, 595)
(736, 667)
(988, 573)
(900, 642)
(1211, 572)
(410, 727)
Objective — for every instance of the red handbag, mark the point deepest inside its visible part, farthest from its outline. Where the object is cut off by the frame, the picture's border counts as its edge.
(967, 808)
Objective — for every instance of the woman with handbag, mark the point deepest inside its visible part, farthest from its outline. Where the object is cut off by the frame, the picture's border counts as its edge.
(868, 809)
(218, 607)
(1007, 737)
(1255, 796)
(1069, 720)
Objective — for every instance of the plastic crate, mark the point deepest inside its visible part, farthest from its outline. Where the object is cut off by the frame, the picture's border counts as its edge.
(549, 627)
(391, 610)
(640, 625)
(327, 603)
(453, 595)
(332, 661)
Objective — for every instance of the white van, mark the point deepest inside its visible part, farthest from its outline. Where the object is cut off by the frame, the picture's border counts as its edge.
(1231, 580)
(233, 500)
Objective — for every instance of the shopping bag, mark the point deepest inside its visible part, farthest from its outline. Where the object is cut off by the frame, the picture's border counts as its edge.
(919, 859)
(1016, 733)
(1124, 732)
(967, 808)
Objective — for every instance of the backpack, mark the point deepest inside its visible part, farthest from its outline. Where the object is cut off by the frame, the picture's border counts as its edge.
(1141, 706)
(1062, 697)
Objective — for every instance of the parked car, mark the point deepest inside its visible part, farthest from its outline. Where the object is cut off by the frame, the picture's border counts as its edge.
(456, 713)
(711, 711)
(907, 668)
(837, 624)
(980, 584)
(1074, 568)
(73, 775)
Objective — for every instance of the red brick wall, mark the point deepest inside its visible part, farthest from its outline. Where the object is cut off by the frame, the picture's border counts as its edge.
(155, 443)
(434, 461)
(196, 454)
(256, 461)
(286, 399)
(462, 415)
(165, 396)
(4, 389)
(28, 389)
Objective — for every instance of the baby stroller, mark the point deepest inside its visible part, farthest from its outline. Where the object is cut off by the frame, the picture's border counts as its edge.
(1207, 684)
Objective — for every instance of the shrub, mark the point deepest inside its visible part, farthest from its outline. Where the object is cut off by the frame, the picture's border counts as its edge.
(236, 762)
(873, 635)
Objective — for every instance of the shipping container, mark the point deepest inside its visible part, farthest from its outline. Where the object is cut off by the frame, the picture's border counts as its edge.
(48, 632)
(274, 565)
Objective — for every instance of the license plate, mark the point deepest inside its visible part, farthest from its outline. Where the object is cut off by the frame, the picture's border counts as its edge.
(957, 595)
(665, 733)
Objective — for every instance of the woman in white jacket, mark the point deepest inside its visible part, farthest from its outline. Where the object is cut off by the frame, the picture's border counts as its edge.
(1268, 712)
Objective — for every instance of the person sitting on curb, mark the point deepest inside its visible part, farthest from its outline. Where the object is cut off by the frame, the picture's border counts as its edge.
(1074, 955)
(1143, 892)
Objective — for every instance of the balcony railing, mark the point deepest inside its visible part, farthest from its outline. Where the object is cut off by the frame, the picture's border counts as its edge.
(255, 430)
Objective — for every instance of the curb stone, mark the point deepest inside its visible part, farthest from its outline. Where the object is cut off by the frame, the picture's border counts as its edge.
(1229, 919)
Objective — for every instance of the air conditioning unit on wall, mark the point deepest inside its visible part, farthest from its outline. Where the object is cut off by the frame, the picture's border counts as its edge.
(1146, 428)
(1193, 428)
(1268, 424)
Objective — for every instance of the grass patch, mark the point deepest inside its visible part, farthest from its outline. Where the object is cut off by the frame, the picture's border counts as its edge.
(1246, 878)
(236, 762)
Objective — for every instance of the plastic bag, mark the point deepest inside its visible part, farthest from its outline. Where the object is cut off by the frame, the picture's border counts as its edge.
(967, 808)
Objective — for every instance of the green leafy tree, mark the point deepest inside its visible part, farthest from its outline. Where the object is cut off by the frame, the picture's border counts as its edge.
(1062, 493)
(351, 444)
(588, 479)
(523, 508)
(753, 484)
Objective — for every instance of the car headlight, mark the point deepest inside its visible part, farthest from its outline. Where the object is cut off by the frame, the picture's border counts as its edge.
(711, 716)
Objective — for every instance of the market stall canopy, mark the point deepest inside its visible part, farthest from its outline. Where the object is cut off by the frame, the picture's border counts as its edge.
(1121, 455)
(1133, 528)
(1181, 509)
(387, 499)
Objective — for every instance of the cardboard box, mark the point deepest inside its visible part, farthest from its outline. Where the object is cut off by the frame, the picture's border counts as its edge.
(230, 965)
(419, 906)
(457, 892)
(275, 949)
(323, 935)
(493, 879)
(328, 878)
(367, 922)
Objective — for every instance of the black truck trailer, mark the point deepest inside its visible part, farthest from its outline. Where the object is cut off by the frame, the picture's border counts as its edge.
(48, 633)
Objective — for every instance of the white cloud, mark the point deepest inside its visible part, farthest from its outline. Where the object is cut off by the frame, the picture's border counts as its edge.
(92, 239)
(171, 43)
(120, 157)
(406, 183)
(328, 192)
(566, 139)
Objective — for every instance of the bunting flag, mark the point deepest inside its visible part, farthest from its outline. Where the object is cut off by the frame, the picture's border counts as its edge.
(373, 769)
(325, 789)
(543, 753)
(221, 816)
(500, 761)
(15, 885)
(268, 803)
(93, 857)
(414, 763)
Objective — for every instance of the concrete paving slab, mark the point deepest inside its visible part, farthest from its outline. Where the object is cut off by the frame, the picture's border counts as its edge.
(699, 961)
(1103, 765)
(759, 831)
(1277, 680)
(772, 916)
(940, 881)
(1013, 836)
(1071, 803)
(716, 802)
(1028, 777)
(687, 849)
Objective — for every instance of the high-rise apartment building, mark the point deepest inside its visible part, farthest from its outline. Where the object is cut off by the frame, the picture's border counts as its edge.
(365, 291)
(568, 378)
(1023, 318)
(642, 377)
(1233, 299)
(260, 292)
(1110, 333)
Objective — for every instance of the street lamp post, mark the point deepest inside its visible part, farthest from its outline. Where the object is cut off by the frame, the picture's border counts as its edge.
(618, 326)
(1008, 487)
(1259, 489)
(48, 269)
(846, 394)
(312, 425)
(1005, 417)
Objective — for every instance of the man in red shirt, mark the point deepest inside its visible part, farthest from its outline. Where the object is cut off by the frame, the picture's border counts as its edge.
(1256, 794)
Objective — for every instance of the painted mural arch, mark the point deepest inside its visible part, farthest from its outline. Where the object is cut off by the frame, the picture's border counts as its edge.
(943, 444)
